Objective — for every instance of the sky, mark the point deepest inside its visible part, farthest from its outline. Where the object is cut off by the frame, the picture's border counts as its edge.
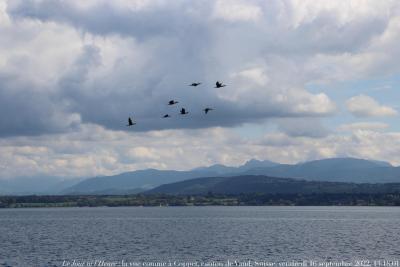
(305, 80)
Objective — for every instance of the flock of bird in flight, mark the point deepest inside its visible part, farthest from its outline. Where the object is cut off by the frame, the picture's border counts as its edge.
(183, 110)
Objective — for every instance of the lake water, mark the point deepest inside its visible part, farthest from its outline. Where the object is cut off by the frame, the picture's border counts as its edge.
(199, 236)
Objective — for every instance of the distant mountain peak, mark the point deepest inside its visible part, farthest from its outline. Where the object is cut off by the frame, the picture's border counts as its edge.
(255, 163)
(351, 161)
(217, 168)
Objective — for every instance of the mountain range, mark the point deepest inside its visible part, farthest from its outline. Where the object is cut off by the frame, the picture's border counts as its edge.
(349, 170)
(142, 180)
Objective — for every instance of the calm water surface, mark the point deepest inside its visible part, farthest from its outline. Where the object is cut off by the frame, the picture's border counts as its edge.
(48, 237)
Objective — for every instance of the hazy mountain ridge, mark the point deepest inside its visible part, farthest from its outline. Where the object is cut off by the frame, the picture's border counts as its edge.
(137, 181)
(39, 185)
(335, 170)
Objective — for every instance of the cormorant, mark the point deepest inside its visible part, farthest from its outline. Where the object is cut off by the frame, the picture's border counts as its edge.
(172, 102)
(130, 122)
(219, 84)
(206, 110)
(194, 84)
(166, 116)
(184, 112)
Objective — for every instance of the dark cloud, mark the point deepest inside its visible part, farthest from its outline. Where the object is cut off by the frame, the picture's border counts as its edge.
(105, 18)
(303, 127)
(24, 111)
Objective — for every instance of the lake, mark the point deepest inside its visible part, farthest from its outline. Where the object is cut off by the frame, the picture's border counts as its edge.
(200, 236)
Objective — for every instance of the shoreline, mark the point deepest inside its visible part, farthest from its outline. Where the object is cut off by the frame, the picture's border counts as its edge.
(144, 200)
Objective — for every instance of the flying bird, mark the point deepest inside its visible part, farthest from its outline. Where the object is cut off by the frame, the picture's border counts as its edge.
(184, 112)
(172, 102)
(166, 116)
(206, 110)
(130, 122)
(219, 84)
(194, 84)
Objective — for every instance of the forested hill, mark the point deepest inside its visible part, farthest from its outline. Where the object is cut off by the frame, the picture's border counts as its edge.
(248, 184)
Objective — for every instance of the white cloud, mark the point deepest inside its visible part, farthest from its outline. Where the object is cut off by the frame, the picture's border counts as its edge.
(365, 144)
(366, 106)
(93, 150)
(236, 10)
(306, 11)
(373, 126)
(318, 104)
(257, 76)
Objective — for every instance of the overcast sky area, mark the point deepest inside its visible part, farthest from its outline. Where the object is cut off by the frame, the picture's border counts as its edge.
(305, 80)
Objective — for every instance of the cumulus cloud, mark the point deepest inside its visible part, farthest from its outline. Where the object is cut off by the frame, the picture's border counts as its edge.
(367, 144)
(366, 106)
(94, 150)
